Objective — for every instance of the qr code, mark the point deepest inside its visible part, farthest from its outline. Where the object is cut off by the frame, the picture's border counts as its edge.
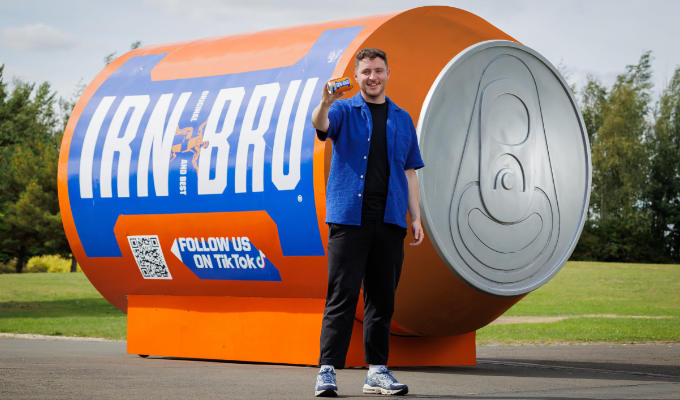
(149, 257)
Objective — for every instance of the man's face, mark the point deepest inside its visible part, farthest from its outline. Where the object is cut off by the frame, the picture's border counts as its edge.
(371, 74)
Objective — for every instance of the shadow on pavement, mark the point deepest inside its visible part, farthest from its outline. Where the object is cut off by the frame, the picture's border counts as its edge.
(546, 368)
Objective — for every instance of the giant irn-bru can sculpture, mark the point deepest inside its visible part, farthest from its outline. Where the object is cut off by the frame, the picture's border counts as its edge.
(192, 187)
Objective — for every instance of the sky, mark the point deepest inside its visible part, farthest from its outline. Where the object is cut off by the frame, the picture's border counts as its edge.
(65, 42)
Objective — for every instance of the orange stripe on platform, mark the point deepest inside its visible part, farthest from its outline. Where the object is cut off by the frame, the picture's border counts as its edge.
(284, 330)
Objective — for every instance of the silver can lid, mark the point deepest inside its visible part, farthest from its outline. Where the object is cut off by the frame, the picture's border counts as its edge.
(506, 186)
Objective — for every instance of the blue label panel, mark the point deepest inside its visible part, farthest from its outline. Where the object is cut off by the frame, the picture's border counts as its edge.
(226, 258)
(236, 142)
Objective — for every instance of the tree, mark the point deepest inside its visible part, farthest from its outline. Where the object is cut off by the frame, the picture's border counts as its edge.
(30, 134)
(593, 106)
(663, 194)
(619, 221)
(112, 56)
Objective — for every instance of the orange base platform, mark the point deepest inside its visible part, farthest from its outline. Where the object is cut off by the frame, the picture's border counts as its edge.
(265, 330)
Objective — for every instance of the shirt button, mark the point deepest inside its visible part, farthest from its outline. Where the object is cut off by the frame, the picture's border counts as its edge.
(362, 177)
(359, 195)
(364, 157)
(369, 139)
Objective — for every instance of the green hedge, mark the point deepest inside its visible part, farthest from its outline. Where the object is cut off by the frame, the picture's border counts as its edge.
(49, 263)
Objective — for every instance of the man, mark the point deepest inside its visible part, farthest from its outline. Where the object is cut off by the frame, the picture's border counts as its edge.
(371, 185)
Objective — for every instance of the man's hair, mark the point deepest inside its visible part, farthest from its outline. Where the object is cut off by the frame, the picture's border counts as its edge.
(370, 53)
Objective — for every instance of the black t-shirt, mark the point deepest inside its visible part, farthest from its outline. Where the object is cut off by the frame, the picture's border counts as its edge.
(378, 169)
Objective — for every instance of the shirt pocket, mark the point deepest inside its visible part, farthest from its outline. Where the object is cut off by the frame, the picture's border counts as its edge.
(402, 144)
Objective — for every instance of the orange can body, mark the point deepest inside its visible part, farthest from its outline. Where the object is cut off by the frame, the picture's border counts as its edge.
(192, 169)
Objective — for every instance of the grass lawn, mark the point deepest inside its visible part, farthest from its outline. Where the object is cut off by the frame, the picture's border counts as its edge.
(590, 294)
(585, 290)
(61, 304)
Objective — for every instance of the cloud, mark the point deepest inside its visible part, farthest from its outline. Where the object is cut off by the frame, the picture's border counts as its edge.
(36, 37)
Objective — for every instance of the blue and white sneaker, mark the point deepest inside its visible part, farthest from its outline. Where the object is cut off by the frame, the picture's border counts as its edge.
(325, 383)
(382, 382)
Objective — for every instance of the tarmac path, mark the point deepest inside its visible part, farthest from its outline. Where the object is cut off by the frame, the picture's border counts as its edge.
(51, 368)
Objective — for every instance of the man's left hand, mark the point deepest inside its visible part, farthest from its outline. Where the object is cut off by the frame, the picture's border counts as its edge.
(418, 234)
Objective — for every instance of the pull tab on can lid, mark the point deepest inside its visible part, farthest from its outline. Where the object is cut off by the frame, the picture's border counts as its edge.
(507, 184)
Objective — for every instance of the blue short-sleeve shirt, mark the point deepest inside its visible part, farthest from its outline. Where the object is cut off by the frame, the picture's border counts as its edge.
(350, 130)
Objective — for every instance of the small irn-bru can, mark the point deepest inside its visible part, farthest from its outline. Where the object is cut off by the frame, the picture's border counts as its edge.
(339, 85)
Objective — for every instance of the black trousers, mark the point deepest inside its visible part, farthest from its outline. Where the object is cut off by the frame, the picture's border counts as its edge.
(372, 253)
